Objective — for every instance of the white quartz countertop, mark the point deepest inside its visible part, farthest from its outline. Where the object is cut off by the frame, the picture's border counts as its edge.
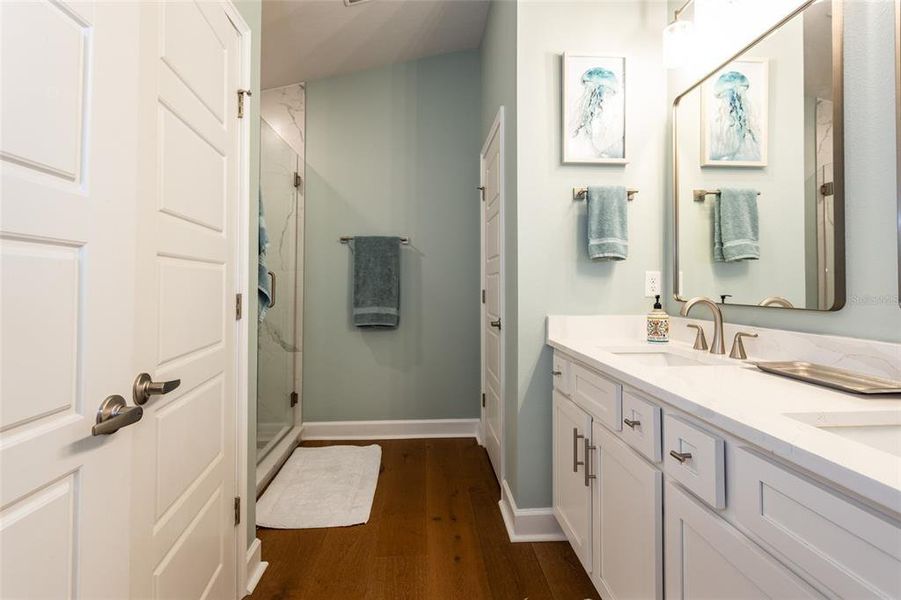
(757, 407)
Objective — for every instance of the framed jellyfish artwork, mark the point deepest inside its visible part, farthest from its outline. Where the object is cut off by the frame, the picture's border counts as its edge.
(734, 120)
(594, 109)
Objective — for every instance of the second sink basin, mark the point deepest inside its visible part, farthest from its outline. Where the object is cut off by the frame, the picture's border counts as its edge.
(879, 429)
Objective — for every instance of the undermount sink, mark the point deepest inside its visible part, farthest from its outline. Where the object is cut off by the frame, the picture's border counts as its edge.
(879, 429)
(666, 357)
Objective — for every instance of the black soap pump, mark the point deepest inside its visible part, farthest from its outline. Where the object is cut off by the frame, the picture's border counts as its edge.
(658, 323)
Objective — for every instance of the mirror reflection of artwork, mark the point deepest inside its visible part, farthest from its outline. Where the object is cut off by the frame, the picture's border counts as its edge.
(594, 109)
(734, 119)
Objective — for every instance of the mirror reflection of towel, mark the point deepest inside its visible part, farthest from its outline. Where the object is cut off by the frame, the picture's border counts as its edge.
(736, 235)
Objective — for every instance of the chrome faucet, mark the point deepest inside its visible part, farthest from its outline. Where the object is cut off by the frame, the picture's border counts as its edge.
(717, 345)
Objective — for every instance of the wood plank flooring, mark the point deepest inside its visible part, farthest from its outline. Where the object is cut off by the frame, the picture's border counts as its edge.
(435, 532)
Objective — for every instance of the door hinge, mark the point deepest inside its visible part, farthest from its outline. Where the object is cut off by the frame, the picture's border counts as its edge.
(293, 398)
(241, 94)
(483, 296)
(239, 307)
(483, 400)
(298, 180)
(827, 189)
(237, 511)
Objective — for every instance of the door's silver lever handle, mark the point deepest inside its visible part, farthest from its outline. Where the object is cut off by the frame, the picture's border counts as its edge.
(113, 415)
(144, 387)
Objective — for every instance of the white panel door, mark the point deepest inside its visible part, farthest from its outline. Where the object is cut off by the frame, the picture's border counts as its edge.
(627, 520)
(492, 301)
(571, 485)
(68, 141)
(706, 558)
(183, 531)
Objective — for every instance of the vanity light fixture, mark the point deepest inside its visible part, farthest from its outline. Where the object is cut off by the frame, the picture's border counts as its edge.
(678, 39)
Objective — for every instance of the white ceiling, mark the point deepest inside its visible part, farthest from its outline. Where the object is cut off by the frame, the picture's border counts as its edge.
(304, 40)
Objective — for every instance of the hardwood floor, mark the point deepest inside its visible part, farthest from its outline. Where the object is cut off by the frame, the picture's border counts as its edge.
(435, 532)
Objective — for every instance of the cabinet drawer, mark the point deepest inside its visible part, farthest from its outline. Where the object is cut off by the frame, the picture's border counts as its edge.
(694, 458)
(599, 396)
(641, 425)
(851, 551)
(562, 375)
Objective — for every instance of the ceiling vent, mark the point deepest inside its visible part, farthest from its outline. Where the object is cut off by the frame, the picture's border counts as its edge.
(354, 2)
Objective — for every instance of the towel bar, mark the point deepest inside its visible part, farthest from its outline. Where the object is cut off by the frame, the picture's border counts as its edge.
(582, 194)
(700, 195)
(346, 238)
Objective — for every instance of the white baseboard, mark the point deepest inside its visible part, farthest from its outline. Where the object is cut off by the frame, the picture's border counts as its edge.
(390, 430)
(528, 524)
(255, 567)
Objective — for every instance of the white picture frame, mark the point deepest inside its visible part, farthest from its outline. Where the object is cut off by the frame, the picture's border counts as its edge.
(727, 140)
(593, 127)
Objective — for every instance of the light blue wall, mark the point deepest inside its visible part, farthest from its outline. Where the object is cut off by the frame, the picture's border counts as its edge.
(252, 12)
(394, 151)
(555, 275)
(872, 309)
(498, 58)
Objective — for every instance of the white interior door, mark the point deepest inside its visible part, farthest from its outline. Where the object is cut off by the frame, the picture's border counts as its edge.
(492, 296)
(184, 468)
(68, 141)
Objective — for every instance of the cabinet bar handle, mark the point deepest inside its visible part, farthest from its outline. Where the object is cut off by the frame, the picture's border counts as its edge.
(680, 456)
(576, 461)
(556, 373)
(588, 449)
(632, 424)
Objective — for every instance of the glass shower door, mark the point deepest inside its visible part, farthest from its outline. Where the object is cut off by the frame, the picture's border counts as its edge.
(277, 340)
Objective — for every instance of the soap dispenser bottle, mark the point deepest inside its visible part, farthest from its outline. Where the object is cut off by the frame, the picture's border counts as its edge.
(658, 323)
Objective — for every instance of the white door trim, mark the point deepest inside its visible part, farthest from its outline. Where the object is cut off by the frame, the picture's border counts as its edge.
(249, 572)
(497, 129)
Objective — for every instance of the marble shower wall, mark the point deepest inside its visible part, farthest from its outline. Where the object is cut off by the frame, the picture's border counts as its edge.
(280, 333)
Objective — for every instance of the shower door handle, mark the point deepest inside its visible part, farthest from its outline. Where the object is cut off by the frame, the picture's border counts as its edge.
(272, 290)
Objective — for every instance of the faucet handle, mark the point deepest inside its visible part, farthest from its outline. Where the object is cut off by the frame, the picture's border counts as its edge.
(700, 338)
(738, 347)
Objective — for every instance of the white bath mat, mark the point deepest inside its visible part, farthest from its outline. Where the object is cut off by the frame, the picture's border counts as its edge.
(330, 486)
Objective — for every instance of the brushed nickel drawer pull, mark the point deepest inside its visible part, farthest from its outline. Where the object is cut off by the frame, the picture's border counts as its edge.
(588, 449)
(680, 456)
(576, 461)
(632, 424)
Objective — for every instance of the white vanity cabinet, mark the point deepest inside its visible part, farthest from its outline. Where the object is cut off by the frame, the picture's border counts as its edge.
(572, 491)
(658, 503)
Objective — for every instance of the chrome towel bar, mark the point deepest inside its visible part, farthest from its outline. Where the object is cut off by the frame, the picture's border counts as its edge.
(701, 195)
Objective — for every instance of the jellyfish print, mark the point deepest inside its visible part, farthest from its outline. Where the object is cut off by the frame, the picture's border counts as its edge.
(594, 119)
(735, 119)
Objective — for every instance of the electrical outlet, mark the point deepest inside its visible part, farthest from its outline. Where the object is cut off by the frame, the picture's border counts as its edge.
(652, 284)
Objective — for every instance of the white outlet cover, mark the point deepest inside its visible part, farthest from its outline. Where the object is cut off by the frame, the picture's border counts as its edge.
(652, 284)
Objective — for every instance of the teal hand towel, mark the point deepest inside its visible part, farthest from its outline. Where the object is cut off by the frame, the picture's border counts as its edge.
(376, 300)
(608, 223)
(736, 234)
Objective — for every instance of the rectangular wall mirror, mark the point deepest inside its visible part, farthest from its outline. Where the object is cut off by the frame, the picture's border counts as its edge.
(758, 181)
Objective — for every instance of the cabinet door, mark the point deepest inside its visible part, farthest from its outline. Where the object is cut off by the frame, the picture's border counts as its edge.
(708, 558)
(572, 496)
(627, 520)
